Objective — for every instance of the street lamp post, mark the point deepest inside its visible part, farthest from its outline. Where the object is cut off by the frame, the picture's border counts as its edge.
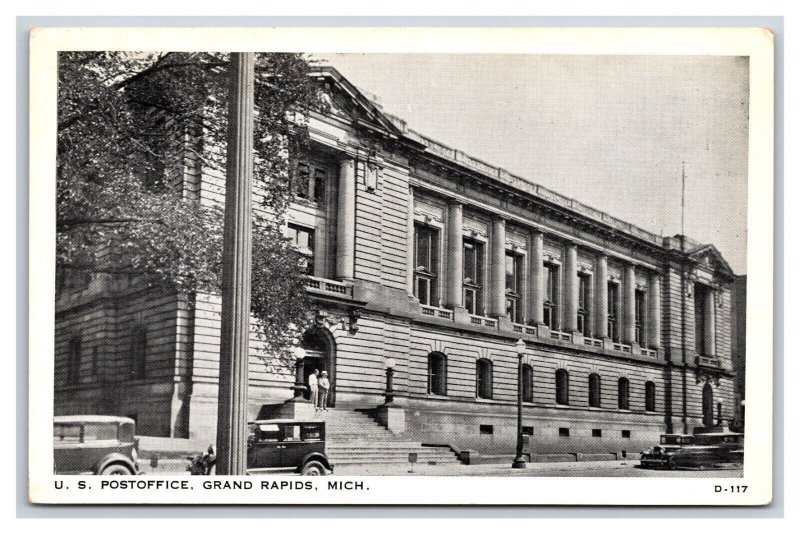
(390, 363)
(519, 461)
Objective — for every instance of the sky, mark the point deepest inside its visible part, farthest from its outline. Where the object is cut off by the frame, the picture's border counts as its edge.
(609, 131)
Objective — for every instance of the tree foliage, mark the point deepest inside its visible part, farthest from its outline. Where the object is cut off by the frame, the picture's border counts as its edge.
(131, 128)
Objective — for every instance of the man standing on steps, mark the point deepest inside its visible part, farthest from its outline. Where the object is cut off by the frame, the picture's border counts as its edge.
(313, 388)
(324, 386)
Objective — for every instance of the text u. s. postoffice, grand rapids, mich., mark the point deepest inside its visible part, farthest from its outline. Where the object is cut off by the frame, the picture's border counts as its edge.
(279, 485)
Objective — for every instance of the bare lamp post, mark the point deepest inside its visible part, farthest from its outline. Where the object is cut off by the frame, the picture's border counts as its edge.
(519, 462)
(299, 354)
(236, 266)
(390, 363)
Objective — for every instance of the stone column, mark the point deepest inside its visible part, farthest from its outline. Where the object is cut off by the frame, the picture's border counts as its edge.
(601, 298)
(346, 221)
(236, 267)
(524, 290)
(629, 304)
(710, 324)
(410, 244)
(498, 269)
(654, 312)
(455, 256)
(535, 311)
(571, 288)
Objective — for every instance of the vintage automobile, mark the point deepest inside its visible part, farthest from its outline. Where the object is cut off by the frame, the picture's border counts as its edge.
(95, 444)
(704, 448)
(287, 445)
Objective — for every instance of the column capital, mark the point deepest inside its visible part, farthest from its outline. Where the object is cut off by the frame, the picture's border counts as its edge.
(347, 161)
(454, 202)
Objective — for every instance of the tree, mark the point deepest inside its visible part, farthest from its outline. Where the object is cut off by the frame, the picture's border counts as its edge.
(127, 125)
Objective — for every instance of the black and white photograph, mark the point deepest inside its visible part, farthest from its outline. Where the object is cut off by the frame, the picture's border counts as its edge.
(397, 269)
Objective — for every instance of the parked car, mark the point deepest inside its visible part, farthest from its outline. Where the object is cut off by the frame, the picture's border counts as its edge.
(287, 445)
(95, 444)
(702, 449)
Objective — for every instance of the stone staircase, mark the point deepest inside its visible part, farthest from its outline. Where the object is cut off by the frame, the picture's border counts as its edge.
(355, 438)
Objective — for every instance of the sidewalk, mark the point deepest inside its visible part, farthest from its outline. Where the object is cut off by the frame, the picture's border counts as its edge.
(532, 469)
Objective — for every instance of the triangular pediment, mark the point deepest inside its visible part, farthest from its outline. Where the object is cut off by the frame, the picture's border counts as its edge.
(708, 257)
(350, 103)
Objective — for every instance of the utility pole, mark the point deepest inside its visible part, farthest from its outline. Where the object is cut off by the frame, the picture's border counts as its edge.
(236, 268)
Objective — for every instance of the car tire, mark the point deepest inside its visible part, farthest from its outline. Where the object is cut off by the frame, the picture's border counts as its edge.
(313, 469)
(116, 469)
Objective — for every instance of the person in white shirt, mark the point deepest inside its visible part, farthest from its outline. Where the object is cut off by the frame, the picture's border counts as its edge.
(313, 388)
(324, 386)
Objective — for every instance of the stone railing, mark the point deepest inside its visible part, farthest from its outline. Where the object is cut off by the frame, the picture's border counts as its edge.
(708, 361)
(524, 329)
(622, 348)
(480, 320)
(440, 313)
(592, 342)
(561, 336)
(327, 286)
(650, 353)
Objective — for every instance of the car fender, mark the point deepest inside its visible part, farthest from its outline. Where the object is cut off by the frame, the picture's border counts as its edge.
(115, 458)
(315, 456)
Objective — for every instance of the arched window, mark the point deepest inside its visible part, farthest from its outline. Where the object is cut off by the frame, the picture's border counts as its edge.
(562, 387)
(708, 405)
(483, 373)
(527, 383)
(594, 390)
(623, 388)
(74, 360)
(650, 396)
(437, 373)
(138, 352)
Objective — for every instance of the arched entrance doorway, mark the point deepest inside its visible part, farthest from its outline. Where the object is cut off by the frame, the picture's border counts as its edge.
(320, 356)
(708, 405)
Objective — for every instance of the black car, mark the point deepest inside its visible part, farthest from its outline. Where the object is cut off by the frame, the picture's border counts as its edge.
(700, 450)
(94, 444)
(287, 445)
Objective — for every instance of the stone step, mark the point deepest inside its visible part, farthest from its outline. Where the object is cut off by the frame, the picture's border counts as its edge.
(355, 438)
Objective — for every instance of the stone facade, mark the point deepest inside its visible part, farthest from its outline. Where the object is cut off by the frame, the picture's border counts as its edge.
(419, 250)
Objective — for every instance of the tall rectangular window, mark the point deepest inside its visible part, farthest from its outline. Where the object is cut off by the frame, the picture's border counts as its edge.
(584, 302)
(426, 264)
(319, 185)
(699, 319)
(639, 316)
(513, 286)
(303, 240)
(613, 310)
(550, 295)
(473, 276)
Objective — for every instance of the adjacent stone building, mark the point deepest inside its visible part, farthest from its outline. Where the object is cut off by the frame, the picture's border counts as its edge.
(435, 263)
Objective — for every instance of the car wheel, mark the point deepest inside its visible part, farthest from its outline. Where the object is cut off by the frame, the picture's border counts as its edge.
(116, 469)
(313, 469)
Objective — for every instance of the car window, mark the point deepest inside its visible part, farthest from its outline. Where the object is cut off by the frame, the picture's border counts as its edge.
(291, 433)
(66, 433)
(311, 432)
(126, 432)
(269, 433)
(99, 431)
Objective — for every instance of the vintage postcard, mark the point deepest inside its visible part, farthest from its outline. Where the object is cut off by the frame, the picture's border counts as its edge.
(401, 266)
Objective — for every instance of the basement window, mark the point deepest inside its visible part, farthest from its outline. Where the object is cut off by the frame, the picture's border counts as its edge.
(597, 433)
(563, 432)
(626, 434)
(487, 430)
(527, 430)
